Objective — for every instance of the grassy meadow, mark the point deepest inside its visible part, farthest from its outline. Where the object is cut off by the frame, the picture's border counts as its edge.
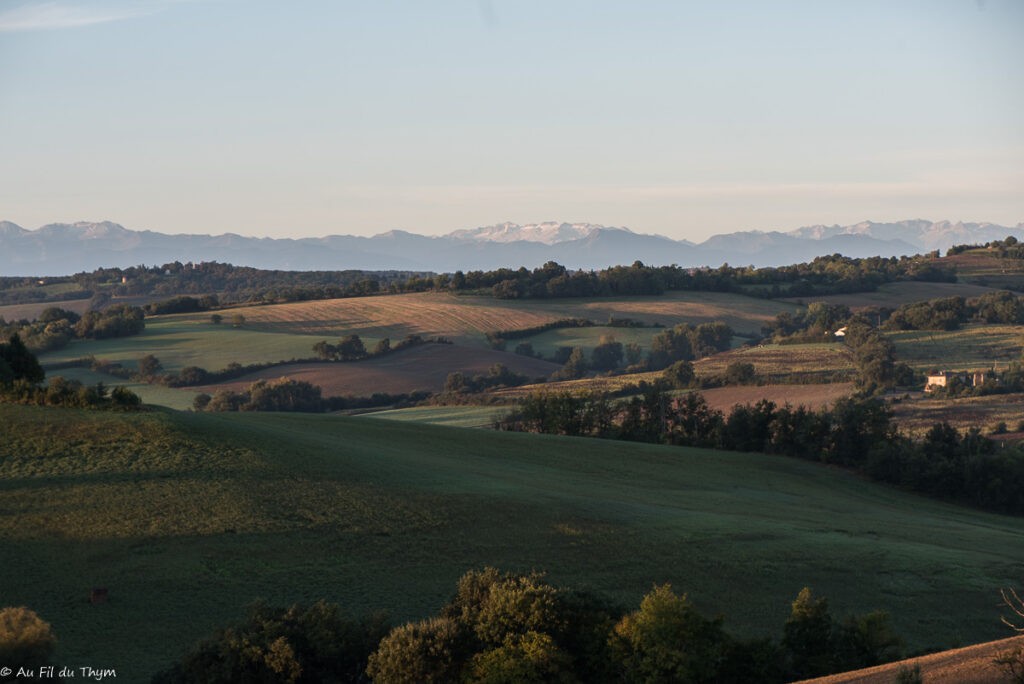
(192, 340)
(546, 343)
(186, 518)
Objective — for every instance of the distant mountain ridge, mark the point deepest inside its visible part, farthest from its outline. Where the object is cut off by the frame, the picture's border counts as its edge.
(60, 249)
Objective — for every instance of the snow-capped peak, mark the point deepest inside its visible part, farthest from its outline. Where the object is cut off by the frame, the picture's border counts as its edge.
(549, 232)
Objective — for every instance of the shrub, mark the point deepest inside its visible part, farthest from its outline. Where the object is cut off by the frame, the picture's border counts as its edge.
(26, 640)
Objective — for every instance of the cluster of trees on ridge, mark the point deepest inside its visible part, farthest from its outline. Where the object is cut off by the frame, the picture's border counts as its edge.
(232, 283)
(55, 327)
(505, 627)
(239, 284)
(854, 433)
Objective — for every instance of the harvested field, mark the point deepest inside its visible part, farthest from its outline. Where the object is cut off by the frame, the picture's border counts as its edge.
(975, 347)
(17, 312)
(919, 413)
(968, 665)
(811, 396)
(777, 361)
(421, 368)
(31, 311)
(984, 267)
(774, 362)
(467, 319)
(895, 294)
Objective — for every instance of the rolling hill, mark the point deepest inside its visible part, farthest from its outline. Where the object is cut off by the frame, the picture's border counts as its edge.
(185, 518)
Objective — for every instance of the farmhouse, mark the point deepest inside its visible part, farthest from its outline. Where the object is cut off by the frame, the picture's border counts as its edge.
(935, 381)
(942, 378)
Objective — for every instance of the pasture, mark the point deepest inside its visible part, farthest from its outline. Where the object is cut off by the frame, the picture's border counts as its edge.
(157, 395)
(547, 342)
(186, 518)
(192, 340)
(424, 367)
(451, 416)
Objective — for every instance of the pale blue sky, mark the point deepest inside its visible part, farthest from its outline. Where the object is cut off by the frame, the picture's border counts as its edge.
(302, 118)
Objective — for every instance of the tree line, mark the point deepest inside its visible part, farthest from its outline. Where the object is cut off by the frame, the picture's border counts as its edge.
(511, 627)
(858, 434)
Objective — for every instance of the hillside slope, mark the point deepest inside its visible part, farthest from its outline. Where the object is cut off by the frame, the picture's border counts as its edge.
(185, 518)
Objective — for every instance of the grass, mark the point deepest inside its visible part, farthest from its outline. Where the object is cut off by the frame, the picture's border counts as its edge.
(451, 416)
(157, 395)
(191, 340)
(187, 517)
(547, 342)
(975, 347)
(424, 367)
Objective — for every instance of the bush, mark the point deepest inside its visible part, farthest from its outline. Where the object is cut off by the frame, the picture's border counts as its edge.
(295, 645)
(26, 640)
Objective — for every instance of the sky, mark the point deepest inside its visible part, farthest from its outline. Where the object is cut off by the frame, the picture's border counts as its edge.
(686, 119)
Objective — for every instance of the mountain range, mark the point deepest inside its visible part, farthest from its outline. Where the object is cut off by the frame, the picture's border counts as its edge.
(61, 248)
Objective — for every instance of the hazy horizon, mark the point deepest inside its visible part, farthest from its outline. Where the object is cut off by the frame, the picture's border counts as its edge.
(680, 119)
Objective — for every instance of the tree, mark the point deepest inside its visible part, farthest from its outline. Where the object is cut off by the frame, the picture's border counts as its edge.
(149, 366)
(523, 658)
(26, 640)
(575, 366)
(216, 318)
(237, 320)
(807, 636)
(432, 650)
(667, 640)
(18, 363)
(680, 374)
(739, 373)
(383, 347)
(670, 346)
(607, 355)
(1011, 661)
(634, 353)
(298, 645)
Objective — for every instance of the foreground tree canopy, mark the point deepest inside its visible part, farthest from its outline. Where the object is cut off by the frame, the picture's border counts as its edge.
(512, 628)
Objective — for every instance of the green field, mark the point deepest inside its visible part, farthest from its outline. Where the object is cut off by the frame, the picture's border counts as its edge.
(157, 395)
(191, 340)
(547, 342)
(185, 518)
(452, 416)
